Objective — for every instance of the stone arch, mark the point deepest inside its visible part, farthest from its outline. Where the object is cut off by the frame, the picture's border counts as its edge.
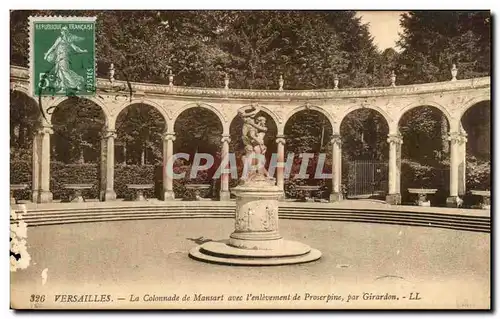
(311, 108)
(422, 103)
(56, 102)
(353, 108)
(471, 102)
(217, 112)
(22, 89)
(151, 103)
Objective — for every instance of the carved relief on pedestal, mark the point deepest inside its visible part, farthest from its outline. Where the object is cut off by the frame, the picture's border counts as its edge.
(257, 215)
(242, 222)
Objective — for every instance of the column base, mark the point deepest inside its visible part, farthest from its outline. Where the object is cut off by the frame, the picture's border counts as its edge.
(282, 197)
(34, 196)
(393, 199)
(45, 197)
(336, 197)
(224, 195)
(168, 195)
(454, 201)
(109, 195)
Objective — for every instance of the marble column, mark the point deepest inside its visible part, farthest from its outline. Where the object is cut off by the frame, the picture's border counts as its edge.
(462, 165)
(280, 164)
(44, 193)
(168, 152)
(456, 141)
(35, 167)
(394, 195)
(110, 136)
(336, 194)
(224, 194)
(102, 181)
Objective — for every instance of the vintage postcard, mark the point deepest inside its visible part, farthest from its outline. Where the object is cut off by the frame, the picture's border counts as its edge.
(167, 159)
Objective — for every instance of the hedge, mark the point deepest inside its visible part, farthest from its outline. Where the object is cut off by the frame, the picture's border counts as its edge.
(416, 175)
(413, 174)
(124, 174)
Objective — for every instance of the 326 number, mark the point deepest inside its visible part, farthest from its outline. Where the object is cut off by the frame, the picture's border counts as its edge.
(37, 298)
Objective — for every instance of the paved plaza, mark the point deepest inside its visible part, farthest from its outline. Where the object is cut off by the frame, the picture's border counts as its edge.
(448, 268)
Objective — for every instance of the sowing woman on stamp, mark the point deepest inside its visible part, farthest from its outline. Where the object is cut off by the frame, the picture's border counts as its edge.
(59, 54)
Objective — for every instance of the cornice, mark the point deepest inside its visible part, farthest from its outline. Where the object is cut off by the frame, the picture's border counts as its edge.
(121, 87)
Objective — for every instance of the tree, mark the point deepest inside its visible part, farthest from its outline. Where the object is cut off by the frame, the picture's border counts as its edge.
(357, 43)
(387, 62)
(77, 133)
(433, 41)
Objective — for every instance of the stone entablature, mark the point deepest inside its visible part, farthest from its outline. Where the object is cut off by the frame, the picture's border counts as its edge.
(453, 98)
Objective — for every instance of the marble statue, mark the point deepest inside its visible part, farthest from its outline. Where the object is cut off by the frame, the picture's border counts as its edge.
(253, 133)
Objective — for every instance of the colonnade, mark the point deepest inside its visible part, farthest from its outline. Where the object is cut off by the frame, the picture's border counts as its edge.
(41, 166)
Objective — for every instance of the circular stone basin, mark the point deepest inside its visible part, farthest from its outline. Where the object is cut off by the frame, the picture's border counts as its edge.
(286, 249)
(289, 252)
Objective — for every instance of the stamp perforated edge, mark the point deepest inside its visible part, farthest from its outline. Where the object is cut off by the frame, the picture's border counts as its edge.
(31, 28)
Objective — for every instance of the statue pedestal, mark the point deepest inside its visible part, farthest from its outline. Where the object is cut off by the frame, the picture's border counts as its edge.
(256, 239)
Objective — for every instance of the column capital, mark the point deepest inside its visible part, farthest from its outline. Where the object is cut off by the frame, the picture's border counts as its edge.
(457, 137)
(225, 138)
(168, 136)
(45, 130)
(336, 139)
(280, 139)
(109, 134)
(394, 139)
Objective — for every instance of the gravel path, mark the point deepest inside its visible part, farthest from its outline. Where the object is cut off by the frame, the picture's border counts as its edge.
(450, 268)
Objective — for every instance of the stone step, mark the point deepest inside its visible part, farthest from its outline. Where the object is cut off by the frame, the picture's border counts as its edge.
(31, 216)
(384, 211)
(143, 211)
(400, 222)
(36, 219)
(400, 216)
(111, 218)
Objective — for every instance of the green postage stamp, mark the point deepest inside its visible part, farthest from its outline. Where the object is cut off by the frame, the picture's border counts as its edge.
(62, 56)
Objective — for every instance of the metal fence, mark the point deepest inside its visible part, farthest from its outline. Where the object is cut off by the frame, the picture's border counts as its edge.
(367, 178)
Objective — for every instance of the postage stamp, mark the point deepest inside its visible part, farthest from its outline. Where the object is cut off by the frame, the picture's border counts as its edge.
(62, 56)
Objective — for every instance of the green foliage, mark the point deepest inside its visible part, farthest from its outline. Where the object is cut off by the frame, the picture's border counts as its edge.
(20, 173)
(308, 131)
(417, 175)
(364, 135)
(24, 119)
(253, 47)
(135, 174)
(424, 131)
(202, 177)
(61, 174)
(198, 130)
(139, 128)
(434, 40)
(478, 176)
(77, 124)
